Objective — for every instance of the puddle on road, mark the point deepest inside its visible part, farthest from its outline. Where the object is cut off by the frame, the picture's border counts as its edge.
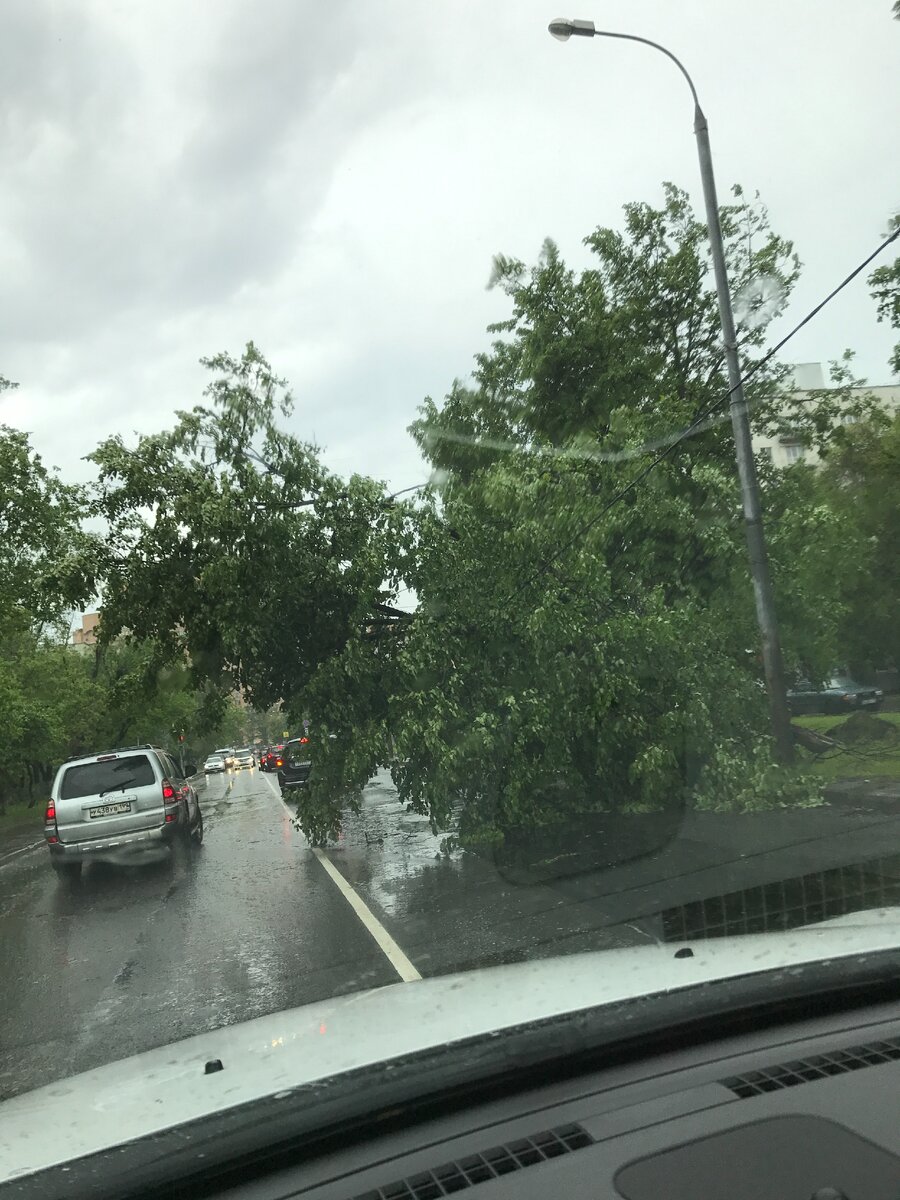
(393, 855)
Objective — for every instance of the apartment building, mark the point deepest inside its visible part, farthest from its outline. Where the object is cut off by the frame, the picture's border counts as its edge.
(808, 378)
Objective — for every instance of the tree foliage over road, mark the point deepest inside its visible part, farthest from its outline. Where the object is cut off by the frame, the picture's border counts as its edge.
(584, 638)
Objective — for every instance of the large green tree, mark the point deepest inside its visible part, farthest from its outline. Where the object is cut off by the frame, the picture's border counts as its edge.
(47, 707)
(861, 483)
(584, 638)
(230, 548)
(55, 701)
(40, 527)
(585, 631)
(42, 688)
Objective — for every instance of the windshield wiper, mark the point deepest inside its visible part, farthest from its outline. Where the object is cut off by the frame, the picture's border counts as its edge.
(118, 788)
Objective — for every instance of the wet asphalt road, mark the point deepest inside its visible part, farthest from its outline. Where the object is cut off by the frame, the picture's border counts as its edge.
(130, 959)
(135, 958)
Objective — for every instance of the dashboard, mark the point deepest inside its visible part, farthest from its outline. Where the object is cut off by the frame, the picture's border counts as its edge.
(808, 1112)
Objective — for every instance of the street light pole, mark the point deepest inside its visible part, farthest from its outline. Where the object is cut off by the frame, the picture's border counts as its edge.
(773, 663)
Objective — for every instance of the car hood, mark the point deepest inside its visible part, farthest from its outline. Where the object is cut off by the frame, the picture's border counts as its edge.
(159, 1089)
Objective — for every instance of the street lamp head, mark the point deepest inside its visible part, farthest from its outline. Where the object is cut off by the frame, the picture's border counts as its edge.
(562, 29)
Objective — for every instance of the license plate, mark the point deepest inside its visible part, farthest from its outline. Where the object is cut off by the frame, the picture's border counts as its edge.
(870, 700)
(110, 810)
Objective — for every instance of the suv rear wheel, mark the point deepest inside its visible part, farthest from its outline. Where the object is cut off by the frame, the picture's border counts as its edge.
(197, 831)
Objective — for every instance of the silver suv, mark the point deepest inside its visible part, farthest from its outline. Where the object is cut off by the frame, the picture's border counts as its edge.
(120, 807)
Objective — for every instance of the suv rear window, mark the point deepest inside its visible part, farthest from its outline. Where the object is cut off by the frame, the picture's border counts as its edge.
(92, 778)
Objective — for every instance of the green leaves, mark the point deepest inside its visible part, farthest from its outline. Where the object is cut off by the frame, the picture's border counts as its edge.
(861, 484)
(40, 530)
(579, 646)
(885, 284)
(230, 547)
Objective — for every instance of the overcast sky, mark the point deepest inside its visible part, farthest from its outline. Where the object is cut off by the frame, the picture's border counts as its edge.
(332, 180)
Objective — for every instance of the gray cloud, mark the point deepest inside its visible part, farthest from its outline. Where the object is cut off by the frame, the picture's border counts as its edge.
(332, 181)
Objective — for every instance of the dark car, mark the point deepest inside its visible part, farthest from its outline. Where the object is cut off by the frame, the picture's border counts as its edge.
(272, 759)
(295, 765)
(839, 694)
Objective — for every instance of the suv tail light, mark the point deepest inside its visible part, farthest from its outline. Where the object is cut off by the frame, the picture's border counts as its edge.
(50, 819)
(169, 794)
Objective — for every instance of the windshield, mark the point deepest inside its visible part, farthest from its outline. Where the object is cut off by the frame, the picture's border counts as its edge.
(369, 405)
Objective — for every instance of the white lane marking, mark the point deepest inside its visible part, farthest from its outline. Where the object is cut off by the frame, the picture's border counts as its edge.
(386, 943)
(383, 939)
(24, 850)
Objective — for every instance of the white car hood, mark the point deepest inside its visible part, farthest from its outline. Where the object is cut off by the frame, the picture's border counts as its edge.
(158, 1089)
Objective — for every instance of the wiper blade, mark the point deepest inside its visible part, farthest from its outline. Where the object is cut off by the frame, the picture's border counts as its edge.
(118, 788)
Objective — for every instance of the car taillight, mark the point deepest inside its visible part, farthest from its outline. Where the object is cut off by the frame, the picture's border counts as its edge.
(169, 796)
(278, 762)
(50, 820)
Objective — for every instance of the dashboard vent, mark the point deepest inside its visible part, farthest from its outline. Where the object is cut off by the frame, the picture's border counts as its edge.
(817, 1066)
(473, 1169)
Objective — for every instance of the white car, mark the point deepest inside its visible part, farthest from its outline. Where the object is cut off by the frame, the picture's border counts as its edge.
(214, 763)
(227, 756)
(244, 758)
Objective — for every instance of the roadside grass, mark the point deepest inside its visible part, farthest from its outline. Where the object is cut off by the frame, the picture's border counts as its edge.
(19, 818)
(870, 759)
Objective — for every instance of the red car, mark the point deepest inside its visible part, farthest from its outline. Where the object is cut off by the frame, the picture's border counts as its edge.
(273, 758)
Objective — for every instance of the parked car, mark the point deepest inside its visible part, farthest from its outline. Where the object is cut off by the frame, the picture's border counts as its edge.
(213, 764)
(839, 694)
(295, 765)
(123, 806)
(243, 758)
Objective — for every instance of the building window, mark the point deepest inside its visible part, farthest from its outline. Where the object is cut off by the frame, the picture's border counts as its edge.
(766, 452)
(793, 452)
